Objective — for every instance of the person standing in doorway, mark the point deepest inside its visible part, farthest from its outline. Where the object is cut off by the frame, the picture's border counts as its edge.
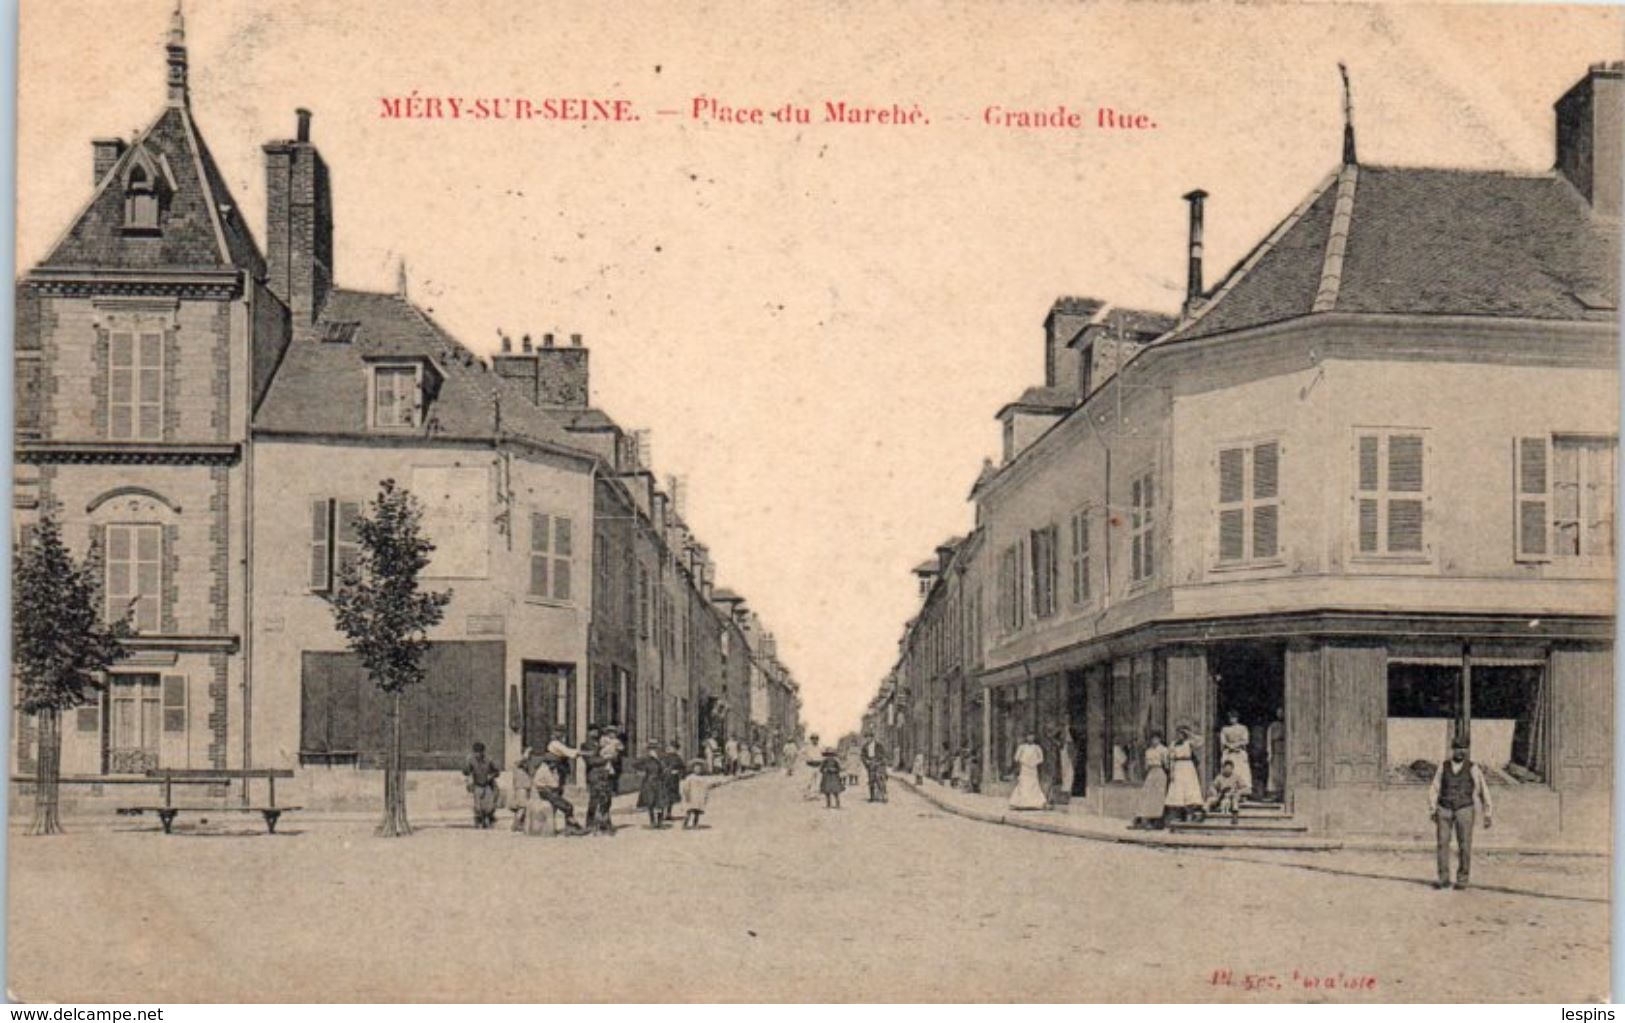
(1184, 796)
(1456, 792)
(1154, 790)
(1233, 742)
(1275, 749)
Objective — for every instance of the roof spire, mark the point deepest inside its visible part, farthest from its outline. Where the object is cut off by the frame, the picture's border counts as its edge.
(1348, 117)
(176, 51)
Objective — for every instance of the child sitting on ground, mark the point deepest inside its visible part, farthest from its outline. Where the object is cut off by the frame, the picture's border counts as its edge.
(695, 787)
(1226, 794)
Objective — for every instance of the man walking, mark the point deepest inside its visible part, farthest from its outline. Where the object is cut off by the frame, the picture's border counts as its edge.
(873, 755)
(1457, 789)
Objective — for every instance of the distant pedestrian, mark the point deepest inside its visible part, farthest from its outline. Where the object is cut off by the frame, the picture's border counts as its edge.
(873, 755)
(1029, 791)
(1275, 751)
(1154, 790)
(600, 785)
(524, 771)
(812, 754)
(730, 751)
(790, 753)
(709, 748)
(919, 768)
(482, 773)
(1184, 797)
(653, 790)
(756, 760)
(1456, 791)
(973, 770)
(676, 771)
(829, 779)
(553, 769)
(696, 791)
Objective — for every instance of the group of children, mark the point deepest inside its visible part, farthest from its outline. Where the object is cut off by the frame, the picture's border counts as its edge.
(959, 769)
(540, 774)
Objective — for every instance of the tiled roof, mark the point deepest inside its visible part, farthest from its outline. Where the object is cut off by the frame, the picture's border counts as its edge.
(189, 238)
(321, 386)
(1425, 242)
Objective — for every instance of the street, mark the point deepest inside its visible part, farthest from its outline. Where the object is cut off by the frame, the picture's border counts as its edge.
(777, 899)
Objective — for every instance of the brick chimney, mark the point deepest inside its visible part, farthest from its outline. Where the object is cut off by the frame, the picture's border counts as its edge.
(1193, 276)
(561, 374)
(104, 154)
(298, 223)
(518, 366)
(1589, 137)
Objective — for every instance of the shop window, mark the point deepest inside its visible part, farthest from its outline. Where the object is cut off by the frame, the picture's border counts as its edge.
(1507, 730)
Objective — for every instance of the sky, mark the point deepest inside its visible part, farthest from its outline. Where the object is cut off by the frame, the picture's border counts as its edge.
(817, 322)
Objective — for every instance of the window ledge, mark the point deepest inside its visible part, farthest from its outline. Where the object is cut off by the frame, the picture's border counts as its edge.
(549, 602)
(1391, 559)
(1247, 566)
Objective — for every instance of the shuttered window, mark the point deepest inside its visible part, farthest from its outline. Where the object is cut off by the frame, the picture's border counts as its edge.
(174, 697)
(1046, 570)
(135, 574)
(551, 549)
(1249, 503)
(1080, 557)
(1578, 500)
(1142, 527)
(135, 402)
(395, 397)
(1391, 492)
(334, 542)
(1012, 602)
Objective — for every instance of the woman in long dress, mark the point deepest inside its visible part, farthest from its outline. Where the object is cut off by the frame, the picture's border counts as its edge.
(1184, 784)
(1233, 742)
(1069, 763)
(1029, 791)
(1154, 790)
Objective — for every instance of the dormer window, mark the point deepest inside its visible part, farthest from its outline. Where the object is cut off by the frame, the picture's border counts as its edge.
(397, 397)
(147, 187)
(141, 202)
(401, 390)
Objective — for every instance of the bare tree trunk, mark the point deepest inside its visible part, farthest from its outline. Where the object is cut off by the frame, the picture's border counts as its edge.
(394, 824)
(47, 820)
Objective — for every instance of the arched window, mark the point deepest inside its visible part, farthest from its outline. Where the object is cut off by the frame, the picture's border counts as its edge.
(140, 200)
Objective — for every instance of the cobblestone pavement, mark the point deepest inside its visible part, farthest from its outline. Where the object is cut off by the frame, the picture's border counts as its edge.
(778, 898)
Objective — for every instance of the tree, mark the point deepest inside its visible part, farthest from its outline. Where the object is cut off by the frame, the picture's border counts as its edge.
(61, 646)
(386, 618)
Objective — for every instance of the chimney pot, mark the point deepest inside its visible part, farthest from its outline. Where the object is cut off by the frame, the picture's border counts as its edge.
(507, 343)
(575, 340)
(526, 342)
(303, 116)
(1193, 280)
(547, 340)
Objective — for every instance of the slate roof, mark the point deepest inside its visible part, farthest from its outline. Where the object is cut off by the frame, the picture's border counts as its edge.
(202, 225)
(1424, 241)
(321, 386)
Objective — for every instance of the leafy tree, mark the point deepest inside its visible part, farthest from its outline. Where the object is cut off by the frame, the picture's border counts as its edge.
(60, 649)
(386, 618)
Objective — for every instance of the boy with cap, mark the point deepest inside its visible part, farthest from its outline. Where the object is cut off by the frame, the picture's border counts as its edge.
(1456, 790)
(482, 773)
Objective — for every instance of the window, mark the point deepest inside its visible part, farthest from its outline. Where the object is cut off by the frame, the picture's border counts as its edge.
(1012, 590)
(1046, 570)
(134, 574)
(140, 200)
(1391, 493)
(134, 719)
(1142, 526)
(1249, 505)
(396, 397)
(174, 703)
(334, 542)
(1080, 558)
(550, 557)
(643, 602)
(1564, 497)
(1507, 702)
(135, 403)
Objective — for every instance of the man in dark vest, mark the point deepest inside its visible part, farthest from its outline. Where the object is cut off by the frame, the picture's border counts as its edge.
(1457, 790)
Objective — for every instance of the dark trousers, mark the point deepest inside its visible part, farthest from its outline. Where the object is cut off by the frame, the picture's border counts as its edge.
(1461, 822)
(599, 798)
(555, 798)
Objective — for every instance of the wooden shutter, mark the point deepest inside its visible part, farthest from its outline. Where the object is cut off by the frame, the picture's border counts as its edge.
(174, 697)
(346, 541)
(1369, 483)
(149, 387)
(121, 386)
(562, 550)
(321, 531)
(540, 542)
(1405, 477)
(1266, 500)
(1532, 497)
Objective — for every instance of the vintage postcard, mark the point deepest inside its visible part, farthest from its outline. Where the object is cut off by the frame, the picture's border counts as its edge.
(1023, 502)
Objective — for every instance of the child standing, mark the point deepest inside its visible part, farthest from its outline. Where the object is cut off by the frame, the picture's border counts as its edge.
(482, 773)
(919, 768)
(696, 789)
(829, 779)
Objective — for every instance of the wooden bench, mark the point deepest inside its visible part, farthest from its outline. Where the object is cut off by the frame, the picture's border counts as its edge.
(171, 777)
